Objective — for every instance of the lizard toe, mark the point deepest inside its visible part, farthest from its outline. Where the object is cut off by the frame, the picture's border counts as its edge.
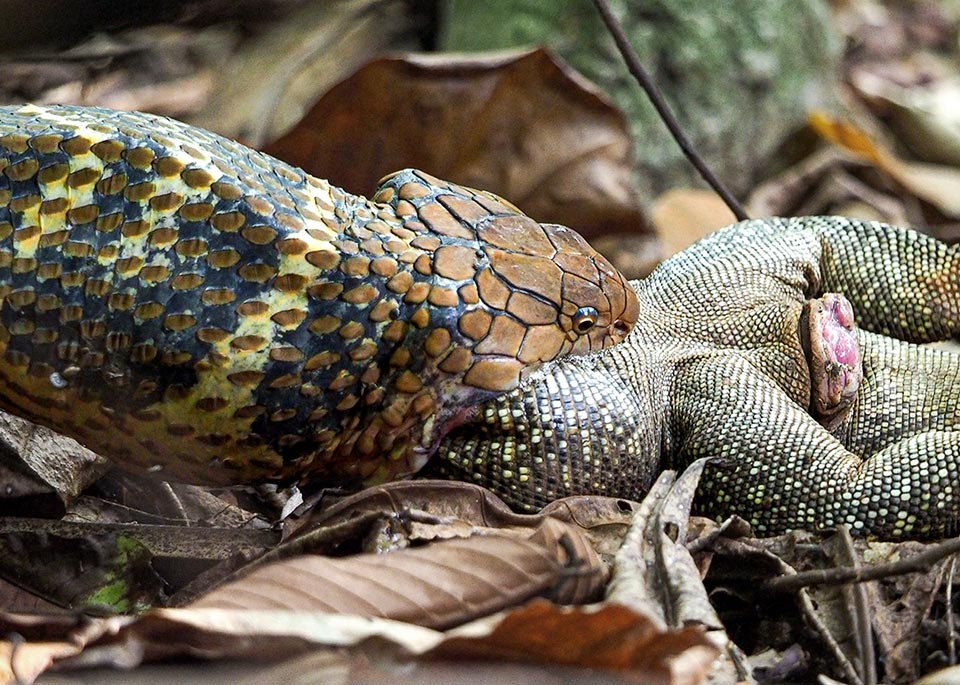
(833, 354)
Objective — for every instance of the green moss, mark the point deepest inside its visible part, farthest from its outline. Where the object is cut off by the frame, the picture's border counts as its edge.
(740, 75)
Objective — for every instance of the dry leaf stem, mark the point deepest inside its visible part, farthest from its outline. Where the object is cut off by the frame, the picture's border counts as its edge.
(918, 563)
(663, 109)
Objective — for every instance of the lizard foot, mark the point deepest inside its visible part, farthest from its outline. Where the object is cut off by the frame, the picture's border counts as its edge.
(829, 336)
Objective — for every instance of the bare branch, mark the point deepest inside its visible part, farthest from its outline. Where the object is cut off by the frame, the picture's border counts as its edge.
(663, 109)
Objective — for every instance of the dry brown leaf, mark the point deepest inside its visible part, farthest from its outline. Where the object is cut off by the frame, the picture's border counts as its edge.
(936, 184)
(684, 215)
(945, 676)
(610, 637)
(458, 508)
(33, 642)
(267, 85)
(42, 471)
(833, 181)
(397, 515)
(17, 600)
(519, 124)
(439, 585)
(24, 662)
(261, 634)
(926, 117)
(336, 668)
(655, 574)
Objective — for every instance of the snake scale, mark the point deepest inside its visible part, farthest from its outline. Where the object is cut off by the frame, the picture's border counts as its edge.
(178, 302)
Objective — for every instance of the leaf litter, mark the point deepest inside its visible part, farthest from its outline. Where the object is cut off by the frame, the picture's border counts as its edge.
(685, 595)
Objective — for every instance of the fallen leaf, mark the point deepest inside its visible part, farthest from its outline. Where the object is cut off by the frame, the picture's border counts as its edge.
(110, 571)
(42, 472)
(655, 574)
(339, 668)
(925, 118)
(438, 585)
(945, 676)
(522, 125)
(684, 215)
(15, 599)
(832, 182)
(457, 509)
(23, 662)
(611, 637)
(938, 185)
(267, 85)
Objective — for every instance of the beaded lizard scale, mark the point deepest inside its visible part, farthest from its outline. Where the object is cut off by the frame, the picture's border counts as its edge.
(747, 350)
(177, 301)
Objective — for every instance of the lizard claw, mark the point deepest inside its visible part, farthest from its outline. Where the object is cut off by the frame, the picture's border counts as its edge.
(830, 341)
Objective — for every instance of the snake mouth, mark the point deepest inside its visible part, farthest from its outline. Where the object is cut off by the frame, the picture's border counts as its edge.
(828, 334)
(437, 429)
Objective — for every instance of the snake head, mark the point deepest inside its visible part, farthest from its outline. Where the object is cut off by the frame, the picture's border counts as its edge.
(570, 299)
(504, 295)
(528, 293)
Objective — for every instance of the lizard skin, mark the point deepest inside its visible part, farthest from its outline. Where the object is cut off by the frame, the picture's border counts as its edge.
(719, 365)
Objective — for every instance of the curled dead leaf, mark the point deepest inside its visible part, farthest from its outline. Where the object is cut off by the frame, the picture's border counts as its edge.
(939, 185)
(440, 509)
(438, 585)
(611, 637)
(684, 215)
(523, 125)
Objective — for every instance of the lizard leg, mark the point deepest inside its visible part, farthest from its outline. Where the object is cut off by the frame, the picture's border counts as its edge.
(829, 338)
(901, 283)
(787, 471)
(907, 390)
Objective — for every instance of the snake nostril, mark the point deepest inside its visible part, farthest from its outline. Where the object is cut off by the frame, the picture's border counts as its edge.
(621, 327)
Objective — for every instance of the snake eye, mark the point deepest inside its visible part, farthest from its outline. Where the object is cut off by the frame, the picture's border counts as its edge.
(585, 319)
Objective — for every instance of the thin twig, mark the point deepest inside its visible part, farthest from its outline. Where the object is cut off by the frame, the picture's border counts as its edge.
(857, 594)
(918, 563)
(951, 641)
(663, 109)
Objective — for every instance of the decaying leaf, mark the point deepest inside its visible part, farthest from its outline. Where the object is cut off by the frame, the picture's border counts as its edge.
(832, 181)
(339, 668)
(15, 599)
(109, 572)
(41, 471)
(926, 119)
(439, 585)
(684, 215)
(936, 184)
(655, 574)
(457, 508)
(904, 609)
(269, 83)
(610, 636)
(23, 662)
(945, 676)
(522, 125)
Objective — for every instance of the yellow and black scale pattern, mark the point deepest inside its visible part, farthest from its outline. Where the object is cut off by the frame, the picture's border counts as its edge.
(177, 301)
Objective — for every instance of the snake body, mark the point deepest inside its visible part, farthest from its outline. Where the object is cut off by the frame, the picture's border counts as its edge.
(179, 302)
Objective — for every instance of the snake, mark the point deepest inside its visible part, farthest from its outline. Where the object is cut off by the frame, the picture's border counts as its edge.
(183, 304)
